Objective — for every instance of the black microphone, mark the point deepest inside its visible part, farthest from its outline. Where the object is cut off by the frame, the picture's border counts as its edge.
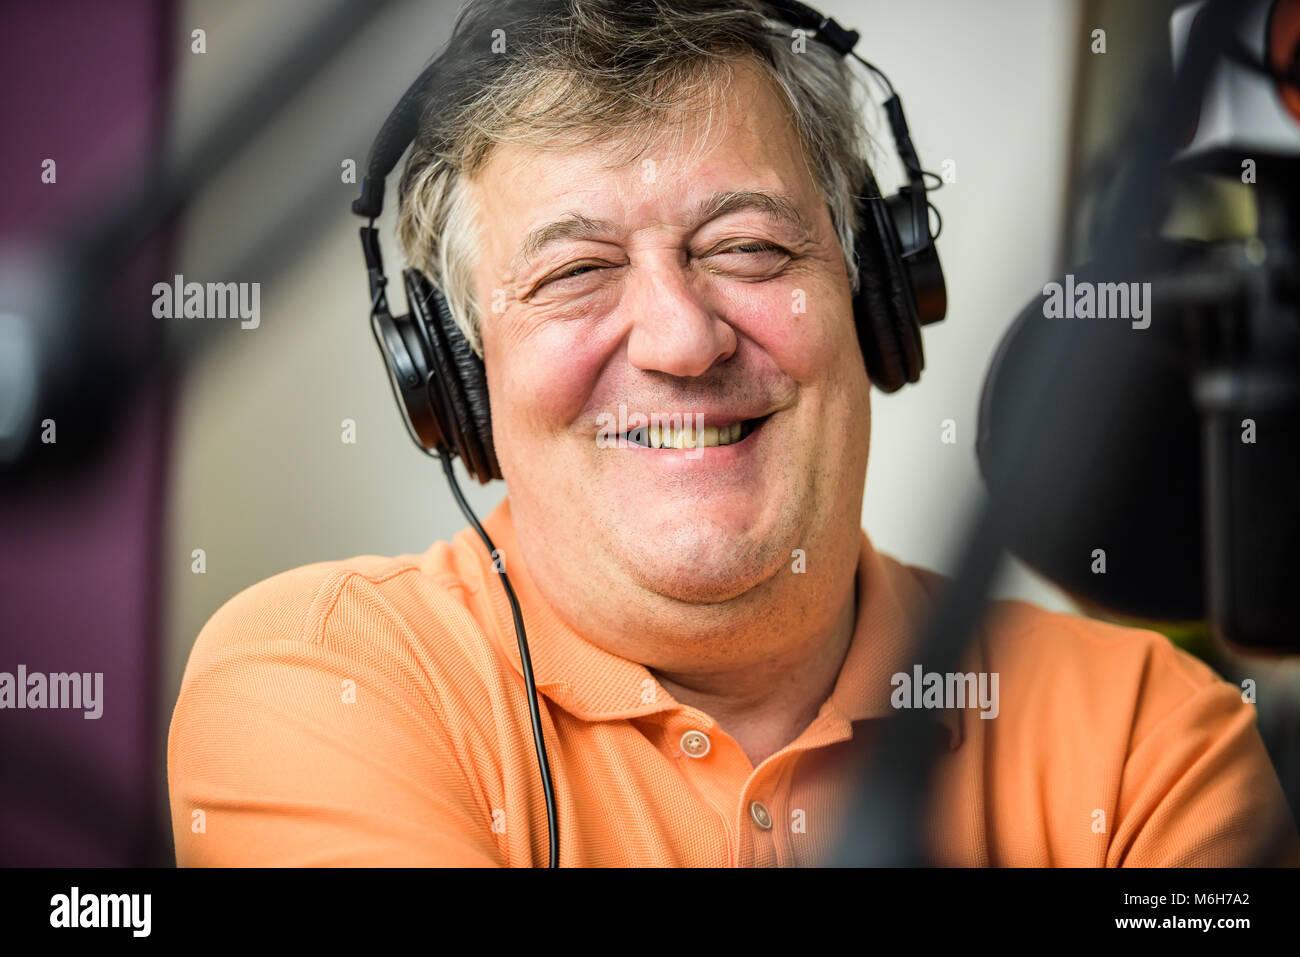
(1182, 505)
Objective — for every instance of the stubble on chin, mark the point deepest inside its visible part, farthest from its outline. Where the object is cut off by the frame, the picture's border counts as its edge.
(700, 563)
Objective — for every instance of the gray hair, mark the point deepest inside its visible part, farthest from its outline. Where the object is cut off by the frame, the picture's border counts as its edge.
(570, 72)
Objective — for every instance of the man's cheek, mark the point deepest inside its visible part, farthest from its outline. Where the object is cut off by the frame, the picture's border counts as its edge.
(796, 323)
(540, 393)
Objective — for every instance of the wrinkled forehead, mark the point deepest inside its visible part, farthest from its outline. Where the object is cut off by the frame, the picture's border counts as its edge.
(741, 138)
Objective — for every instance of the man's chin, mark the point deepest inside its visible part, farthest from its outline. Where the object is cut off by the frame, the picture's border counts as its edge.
(703, 569)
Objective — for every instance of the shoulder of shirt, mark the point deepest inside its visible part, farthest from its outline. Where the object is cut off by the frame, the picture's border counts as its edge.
(363, 607)
(1053, 648)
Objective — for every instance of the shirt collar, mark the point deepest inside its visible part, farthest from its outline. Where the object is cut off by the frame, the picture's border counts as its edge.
(596, 685)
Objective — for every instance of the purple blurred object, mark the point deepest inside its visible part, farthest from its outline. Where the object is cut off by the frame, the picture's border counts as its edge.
(87, 84)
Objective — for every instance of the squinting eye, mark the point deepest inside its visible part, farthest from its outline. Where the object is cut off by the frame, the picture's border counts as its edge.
(755, 247)
(569, 273)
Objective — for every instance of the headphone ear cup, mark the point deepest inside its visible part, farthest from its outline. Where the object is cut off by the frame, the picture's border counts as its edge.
(406, 358)
(457, 384)
(471, 377)
(884, 308)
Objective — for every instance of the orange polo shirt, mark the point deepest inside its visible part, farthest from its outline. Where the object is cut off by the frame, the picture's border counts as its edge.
(372, 712)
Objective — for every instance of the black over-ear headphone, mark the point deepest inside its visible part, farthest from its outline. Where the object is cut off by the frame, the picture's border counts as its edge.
(439, 380)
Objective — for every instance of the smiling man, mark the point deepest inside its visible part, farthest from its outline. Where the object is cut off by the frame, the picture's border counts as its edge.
(645, 215)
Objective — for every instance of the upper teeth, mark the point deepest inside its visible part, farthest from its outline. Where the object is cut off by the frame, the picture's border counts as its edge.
(666, 437)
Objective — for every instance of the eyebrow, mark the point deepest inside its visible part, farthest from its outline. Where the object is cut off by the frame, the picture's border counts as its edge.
(775, 205)
(569, 226)
(574, 225)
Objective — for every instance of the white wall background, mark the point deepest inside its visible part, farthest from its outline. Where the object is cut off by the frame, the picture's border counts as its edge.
(262, 481)
(989, 86)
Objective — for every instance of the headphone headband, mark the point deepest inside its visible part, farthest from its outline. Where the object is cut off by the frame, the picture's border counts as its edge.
(395, 136)
(403, 122)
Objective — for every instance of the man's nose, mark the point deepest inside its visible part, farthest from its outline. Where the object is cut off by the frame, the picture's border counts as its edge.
(674, 328)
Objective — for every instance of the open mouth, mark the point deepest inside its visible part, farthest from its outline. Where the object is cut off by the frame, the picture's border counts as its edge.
(686, 437)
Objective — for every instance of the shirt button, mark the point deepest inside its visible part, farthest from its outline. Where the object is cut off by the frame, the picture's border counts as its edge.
(696, 744)
(759, 813)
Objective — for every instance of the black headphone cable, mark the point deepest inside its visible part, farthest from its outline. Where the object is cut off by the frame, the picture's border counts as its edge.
(539, 741)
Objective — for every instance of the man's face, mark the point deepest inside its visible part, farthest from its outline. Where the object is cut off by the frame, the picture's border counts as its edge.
(705, 283)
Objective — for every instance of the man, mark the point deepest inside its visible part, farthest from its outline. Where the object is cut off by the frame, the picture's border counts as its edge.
(623, 222)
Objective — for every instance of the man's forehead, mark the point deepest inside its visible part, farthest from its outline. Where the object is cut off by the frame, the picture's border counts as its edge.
(747, 147)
